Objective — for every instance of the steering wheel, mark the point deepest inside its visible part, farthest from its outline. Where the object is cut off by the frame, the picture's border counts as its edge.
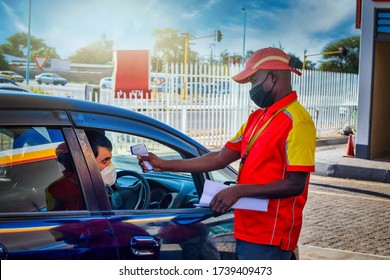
(136, 196)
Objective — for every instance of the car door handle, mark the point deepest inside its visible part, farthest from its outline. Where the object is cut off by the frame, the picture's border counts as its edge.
(144, 245)
(3, 252)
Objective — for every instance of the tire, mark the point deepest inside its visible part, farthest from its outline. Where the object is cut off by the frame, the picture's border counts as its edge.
(39, 82)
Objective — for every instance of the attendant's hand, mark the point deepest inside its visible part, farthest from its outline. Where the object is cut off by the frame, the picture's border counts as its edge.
(153, 160)
(224, 200)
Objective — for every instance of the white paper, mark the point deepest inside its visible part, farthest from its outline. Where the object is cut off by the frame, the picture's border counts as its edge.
(211, 188)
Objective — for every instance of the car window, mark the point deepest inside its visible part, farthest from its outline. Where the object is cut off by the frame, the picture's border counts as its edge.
(167, 190)
(224, 176)
(122, 142)
(36, 171)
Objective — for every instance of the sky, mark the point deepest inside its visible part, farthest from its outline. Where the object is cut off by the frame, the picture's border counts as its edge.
(294, 25)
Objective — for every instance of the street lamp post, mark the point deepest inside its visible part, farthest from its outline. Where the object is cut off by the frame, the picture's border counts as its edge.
(28, 45)
(243, 43)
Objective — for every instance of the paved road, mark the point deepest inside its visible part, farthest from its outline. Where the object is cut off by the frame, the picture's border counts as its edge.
(346, 219)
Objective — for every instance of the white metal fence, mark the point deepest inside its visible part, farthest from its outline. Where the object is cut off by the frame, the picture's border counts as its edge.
(213, 107)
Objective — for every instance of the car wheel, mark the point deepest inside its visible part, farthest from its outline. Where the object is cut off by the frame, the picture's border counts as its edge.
(39, 82)
(63, 84)
(54, 83)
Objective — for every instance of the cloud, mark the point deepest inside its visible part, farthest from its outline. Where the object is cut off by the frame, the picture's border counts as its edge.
(191, 15)
(14, 19)
(211, 4)
(293, 25)
(296, 25)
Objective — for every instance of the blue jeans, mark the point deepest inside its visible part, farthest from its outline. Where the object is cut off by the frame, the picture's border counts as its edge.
(252, 251)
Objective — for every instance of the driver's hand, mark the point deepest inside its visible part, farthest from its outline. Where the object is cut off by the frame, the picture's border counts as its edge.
(153, 160)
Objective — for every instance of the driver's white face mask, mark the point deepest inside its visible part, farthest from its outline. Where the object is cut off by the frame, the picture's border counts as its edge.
(109, 175)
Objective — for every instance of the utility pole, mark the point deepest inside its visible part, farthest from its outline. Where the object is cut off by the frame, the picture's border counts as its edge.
(243, 43)
(186, 41)
(212, 45)
(217, 37)
(28, 45)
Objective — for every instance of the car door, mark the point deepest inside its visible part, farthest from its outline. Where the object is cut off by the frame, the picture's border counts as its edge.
(47, 202)
(47, 78)
(155, 215)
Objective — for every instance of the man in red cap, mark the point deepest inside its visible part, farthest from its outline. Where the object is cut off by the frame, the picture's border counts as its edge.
(276, 146)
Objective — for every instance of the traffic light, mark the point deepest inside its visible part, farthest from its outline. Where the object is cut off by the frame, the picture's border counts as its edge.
(219, 36)
(344, 52)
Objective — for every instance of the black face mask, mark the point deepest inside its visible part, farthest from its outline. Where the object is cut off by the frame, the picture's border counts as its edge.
(260, 97)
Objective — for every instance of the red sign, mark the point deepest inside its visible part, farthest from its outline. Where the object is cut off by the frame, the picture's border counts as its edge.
(40, 61)
(131, 72)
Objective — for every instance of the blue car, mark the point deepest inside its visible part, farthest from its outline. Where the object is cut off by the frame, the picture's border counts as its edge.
(142, 216)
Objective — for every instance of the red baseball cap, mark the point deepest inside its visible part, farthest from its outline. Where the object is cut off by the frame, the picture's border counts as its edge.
(265, 59)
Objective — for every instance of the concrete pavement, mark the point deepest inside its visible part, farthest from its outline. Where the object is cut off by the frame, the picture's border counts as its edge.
(332, 162)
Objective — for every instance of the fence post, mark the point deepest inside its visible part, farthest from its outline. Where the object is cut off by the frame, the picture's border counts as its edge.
(184, 119)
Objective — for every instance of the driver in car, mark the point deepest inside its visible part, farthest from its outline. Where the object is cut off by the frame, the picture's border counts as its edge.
(102, 149)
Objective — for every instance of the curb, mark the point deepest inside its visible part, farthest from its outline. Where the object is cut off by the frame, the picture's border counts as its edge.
(352, 172)
(332, 141)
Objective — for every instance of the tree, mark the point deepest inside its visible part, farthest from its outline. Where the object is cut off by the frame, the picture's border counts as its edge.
(348, 63)
(3, 63)
(169, 46)
(248, 54)
(310, 65)
(224, 57)
(17, 46)
(297, 63)
(100, 52)
(227, 58)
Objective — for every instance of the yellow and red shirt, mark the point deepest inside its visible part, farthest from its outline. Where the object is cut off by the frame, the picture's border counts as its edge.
(287, 144)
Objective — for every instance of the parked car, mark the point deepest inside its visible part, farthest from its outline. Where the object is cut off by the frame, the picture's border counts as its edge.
(13, 76)
(142, 216)
(49, 78)
(106, 83)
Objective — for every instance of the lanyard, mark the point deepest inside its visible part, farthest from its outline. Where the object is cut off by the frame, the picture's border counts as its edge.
(253, 138)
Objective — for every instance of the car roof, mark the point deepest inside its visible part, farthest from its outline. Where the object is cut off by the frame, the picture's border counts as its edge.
(47, 102)
(33, 101)
(11, 91)
(13, 87)
(7, 81)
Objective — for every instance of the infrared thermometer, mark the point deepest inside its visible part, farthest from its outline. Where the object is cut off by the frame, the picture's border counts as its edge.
(141, 150)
